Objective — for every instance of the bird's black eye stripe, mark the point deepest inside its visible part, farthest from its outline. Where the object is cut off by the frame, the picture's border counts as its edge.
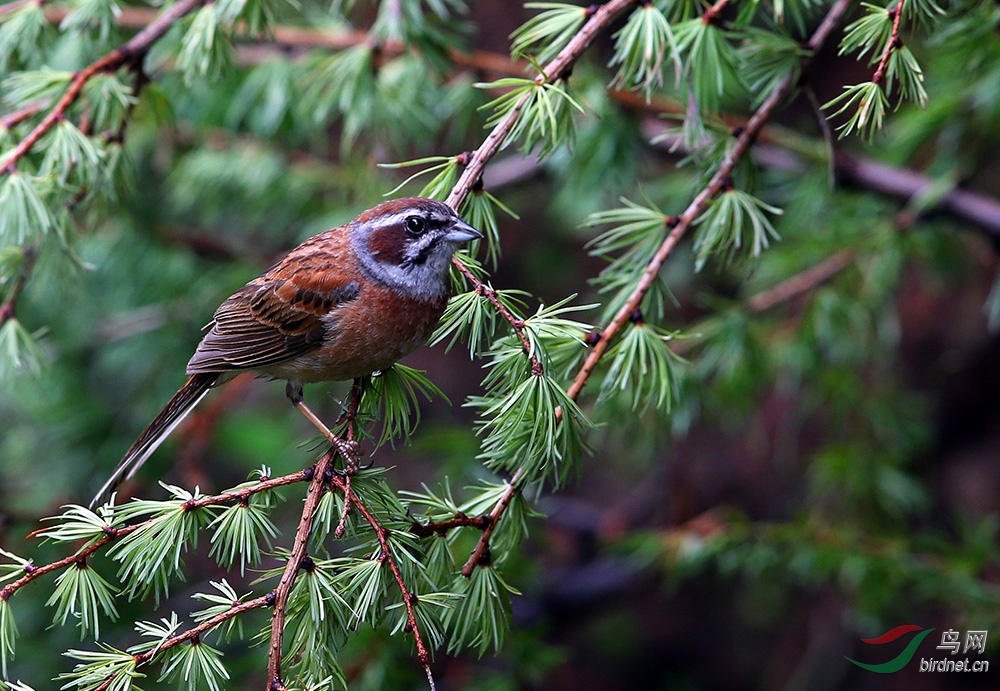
(415, 225)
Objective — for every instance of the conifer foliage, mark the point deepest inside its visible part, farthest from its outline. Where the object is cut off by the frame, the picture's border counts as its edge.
(146, 157)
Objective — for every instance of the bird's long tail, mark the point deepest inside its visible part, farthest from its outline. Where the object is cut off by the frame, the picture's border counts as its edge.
(176, 409)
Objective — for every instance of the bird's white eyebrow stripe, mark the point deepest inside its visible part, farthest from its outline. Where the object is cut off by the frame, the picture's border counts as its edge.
(400, 216)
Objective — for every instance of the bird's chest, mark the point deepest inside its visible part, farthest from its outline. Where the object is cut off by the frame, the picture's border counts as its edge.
(369, 334)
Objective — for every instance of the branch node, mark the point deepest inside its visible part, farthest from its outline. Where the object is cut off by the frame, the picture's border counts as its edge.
(592, 338)
(671, 221)
(307, 564)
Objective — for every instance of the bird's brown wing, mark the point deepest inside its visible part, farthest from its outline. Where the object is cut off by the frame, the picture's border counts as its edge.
(275, 317)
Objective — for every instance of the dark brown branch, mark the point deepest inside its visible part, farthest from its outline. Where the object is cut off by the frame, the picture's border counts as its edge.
(111, 534)
(131, 51)
(284, 588)
(892, 45)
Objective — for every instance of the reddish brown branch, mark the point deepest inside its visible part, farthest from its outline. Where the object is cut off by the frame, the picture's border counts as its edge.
(207, 625)
(479, 554)
(477, 160)
(18, 116)
(893, 44)
(442, 527)
(552, 72)
(284, 588)
(711, 15)
(131, 51)
(112, 534)
(409, 598)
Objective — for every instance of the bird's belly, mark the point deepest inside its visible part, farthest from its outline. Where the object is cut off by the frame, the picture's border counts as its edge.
(359, 342)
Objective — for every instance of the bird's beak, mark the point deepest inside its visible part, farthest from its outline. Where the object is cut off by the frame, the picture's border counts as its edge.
(461, 231)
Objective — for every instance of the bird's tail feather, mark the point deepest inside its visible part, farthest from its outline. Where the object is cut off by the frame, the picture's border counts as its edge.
(176, 409)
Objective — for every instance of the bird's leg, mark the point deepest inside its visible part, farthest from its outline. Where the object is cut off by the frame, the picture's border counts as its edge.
(349, 449)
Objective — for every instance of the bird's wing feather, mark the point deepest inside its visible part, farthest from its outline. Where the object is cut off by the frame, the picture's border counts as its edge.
(274, 318)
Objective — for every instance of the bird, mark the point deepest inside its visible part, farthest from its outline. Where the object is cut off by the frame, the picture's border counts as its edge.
(345, 303)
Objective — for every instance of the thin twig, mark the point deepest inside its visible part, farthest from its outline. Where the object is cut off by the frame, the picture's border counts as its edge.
(18, 116)
(111, 533)
(409, 598)
(284, 588)
(479, 555)
(552, 72)
(800, 283)
(9, 308)
(477, 160)
(894, 43)
(711, 15)
(133, 50)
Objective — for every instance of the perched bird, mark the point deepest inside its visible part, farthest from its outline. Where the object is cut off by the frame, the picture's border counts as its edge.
(345, 303)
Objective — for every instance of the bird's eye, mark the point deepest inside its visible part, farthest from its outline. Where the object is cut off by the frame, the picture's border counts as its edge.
(415, 225)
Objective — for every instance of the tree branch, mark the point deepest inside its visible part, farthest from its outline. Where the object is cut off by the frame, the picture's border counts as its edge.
(409, 598)
(112, 533)
(133, 50)
(892, 45)
(684, 221)
(319, 472)
(701, 201)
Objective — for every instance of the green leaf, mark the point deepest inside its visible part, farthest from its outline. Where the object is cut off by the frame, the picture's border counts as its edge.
(8, 635)
(99, 15)
(97, 666)
(735, 221)
(205, 49)
(641, 48)
(868, 103)
(69, 152)
(23, 214)
(547, 32)
(81, 592)
(868, 34)
(709, 62)
(19, 351)
(193, 665)
(393, 398)
(20, 35)
(150, 555)
(543, 113)
(642, 368)
(220, 604)
(482, 616)
(239, 530)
